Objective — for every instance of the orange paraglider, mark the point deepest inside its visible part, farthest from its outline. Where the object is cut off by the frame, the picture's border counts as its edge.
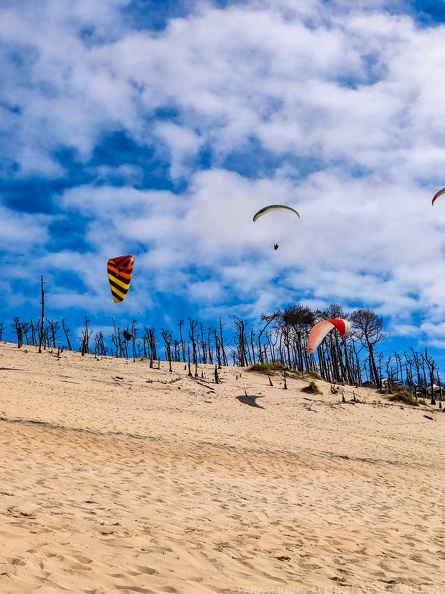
(320, 330)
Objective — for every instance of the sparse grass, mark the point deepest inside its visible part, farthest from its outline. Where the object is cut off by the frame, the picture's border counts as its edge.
(312, 374)
(312, 388)
(404, 396)
(267, 368)
(279, 368)
(385, 391)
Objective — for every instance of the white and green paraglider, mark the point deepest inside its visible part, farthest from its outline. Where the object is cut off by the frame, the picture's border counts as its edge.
(271, 208)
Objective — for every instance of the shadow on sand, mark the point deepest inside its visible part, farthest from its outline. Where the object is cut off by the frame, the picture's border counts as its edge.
(250, 400)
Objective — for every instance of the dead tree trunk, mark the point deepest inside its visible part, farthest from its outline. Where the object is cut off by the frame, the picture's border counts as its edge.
(42, 318)
(67, 331)
(167, 335)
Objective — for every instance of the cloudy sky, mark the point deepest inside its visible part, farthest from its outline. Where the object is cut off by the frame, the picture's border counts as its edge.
(158, 128)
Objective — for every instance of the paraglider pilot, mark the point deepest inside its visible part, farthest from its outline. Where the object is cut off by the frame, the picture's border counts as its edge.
(127, 335)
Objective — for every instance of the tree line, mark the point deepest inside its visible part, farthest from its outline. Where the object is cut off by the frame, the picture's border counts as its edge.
(279, 337)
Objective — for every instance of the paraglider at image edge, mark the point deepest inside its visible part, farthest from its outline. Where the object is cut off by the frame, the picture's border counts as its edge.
(322, 328)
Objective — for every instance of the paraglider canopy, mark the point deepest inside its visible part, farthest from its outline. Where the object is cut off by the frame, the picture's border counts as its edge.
(320, 330)
(437, 194)
(272, 207)
(120, 271)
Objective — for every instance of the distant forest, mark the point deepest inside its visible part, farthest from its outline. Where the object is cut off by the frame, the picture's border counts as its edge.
(280, 339)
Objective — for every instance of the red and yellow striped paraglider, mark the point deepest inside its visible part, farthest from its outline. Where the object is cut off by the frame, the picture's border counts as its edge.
(120, 271)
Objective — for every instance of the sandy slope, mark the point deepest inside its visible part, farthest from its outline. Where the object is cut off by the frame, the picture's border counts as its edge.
(118, 478)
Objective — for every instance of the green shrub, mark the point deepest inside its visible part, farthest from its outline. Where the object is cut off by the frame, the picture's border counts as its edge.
(312, 388)
(404, 396)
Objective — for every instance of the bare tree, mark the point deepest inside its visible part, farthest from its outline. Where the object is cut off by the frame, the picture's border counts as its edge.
(31, 334)
(84, 339)
(67, 332)
(420, 371)
(167, 335)
(222, 343)
(301, 319)
(368, 329)
(202, 344)
(118, 340)
(134, 334)
(52, 331)
(241, 341)
(252, 345)
(217, 349)
(99, 344)
(210, 334)
(150, 341)
(176, 351)
(432, 372)
(42, 318)
(181, 338)
(193, 324)
(262, 352)
(399, 367)
(17, 326)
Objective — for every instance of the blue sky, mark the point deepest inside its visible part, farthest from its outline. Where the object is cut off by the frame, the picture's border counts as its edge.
(160, 128)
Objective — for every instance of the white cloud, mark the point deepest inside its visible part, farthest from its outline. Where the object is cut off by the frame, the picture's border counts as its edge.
(183, 144)
(337, 111)
(355, 87)
(19, 231)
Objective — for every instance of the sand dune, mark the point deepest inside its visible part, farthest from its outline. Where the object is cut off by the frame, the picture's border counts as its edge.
(120, 478)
